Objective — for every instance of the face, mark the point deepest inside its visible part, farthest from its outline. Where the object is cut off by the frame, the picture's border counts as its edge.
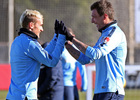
(37, 27)
(97, 19)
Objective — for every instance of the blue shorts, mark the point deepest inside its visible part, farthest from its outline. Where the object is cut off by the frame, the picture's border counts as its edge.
(108, 96)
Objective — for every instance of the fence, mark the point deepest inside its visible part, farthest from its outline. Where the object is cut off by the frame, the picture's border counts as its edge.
(75, 13)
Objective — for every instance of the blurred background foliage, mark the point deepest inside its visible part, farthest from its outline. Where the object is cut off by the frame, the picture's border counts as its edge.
(75, 14)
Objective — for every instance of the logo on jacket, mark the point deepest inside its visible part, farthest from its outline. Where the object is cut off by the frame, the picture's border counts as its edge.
(104, 41)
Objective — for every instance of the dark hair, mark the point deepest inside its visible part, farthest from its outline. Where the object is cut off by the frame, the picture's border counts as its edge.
(103, 7)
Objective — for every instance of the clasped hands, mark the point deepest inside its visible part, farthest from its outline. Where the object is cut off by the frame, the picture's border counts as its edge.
(60, 28)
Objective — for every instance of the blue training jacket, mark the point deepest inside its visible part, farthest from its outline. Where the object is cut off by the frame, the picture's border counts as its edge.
(109, 54)
(70, 66)
(26, 56)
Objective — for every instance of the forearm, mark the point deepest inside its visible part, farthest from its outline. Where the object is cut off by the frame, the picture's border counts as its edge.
(45, 57)
(50, 47)
(74, 52)
(80, 45)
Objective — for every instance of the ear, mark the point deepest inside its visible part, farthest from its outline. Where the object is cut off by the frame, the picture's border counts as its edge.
(31, 25)
(105, 16)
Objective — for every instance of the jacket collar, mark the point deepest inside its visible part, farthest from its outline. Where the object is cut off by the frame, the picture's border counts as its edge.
(27, 32)
(100, 30)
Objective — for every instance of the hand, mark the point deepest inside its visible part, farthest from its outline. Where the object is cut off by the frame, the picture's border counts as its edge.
(62, 28)
(66, 31)
(68, 42)
(69, 34)
(56, 27)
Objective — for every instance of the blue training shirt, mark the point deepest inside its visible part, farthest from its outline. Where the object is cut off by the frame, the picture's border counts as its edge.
(26, 56)
(109, 54)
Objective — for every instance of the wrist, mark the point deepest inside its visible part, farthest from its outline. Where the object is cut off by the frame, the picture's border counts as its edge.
(73, 39)
(69, 42)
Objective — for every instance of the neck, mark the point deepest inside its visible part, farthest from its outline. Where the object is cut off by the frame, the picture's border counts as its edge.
(107, 25)
(28, 32)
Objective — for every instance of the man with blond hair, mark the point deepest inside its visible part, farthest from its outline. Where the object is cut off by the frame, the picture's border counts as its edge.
(27, 55)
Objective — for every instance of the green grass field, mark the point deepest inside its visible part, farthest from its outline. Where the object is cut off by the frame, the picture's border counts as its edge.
(131, 94)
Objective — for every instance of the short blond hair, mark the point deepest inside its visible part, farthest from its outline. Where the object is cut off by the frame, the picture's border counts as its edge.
(29, 16)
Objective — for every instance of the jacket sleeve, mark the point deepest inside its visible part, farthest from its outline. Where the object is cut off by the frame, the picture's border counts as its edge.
(35, 51)
(83, 59)
(83, 74)
(50, 47)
